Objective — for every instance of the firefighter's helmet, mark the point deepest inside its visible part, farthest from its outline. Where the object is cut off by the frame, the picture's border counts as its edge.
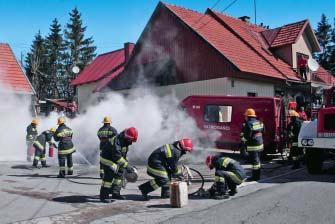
(35, 121)
(250, 112)
(210, 161)
(61, 120)
(53, 130)
(186, 144)
(293, 113)
(131, 134)
(107, 120)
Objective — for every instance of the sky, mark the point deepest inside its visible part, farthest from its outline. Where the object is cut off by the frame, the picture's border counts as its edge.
(114, 22)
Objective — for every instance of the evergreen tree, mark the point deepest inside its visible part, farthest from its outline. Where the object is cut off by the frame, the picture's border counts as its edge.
(55, 53)
(36, 66)
(80, 50)
(323, 34)
(332, 53)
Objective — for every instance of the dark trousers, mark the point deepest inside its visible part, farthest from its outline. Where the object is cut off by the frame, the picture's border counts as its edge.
(156, 183)
(61, 162)
(254, 157)
(111, 181)
(39, 156)
(297, 155)
(303, 73)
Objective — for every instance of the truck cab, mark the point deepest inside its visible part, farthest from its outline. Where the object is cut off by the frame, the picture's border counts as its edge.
(317, 137)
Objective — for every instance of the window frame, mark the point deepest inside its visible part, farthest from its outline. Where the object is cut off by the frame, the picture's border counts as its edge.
(218, 105)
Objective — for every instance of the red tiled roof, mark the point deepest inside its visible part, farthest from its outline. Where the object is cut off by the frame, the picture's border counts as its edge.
(322, 75)
(101, 66)
(103, 82)
(241, 43)
(289, 33)
(11, 73)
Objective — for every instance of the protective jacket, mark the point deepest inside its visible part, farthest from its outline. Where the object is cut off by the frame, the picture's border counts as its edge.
(164, 160)
(293, 131)
(42, 139)
(252, 135)
(228, 164)
(31, 133)
(105, 134)
(63, 135)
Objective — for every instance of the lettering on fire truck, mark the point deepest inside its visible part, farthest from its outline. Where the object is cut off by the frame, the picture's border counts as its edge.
(217, 127)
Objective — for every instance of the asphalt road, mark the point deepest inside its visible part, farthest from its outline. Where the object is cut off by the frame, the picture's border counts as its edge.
(282, 196)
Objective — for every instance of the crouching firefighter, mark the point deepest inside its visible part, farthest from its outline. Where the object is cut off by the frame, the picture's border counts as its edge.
(294, 127)
(114, 161)
(253, 138)
(162, 164)
(40, 146)
(105, 134)
(228, 175)
(63, 135)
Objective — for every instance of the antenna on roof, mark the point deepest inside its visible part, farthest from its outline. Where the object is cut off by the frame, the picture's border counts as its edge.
(255, 12)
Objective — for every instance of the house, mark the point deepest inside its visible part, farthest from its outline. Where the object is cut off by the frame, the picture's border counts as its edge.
(98, 73)
(187, 52)
(12, 77)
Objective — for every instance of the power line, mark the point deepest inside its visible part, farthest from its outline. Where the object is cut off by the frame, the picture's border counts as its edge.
(215, 4)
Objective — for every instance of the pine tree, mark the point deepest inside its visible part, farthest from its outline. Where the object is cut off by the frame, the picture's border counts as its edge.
(323, 34)
(80, 50)
(36, 66)
(332, 53)
(55, 52)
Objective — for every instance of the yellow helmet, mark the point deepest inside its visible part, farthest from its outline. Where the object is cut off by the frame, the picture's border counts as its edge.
(250, 112)
(107, 120)
(35, 121)
(60, 120)
(293, 113)
(53, 130)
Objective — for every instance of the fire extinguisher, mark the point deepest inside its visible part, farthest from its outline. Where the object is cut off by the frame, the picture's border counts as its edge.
(51, 151)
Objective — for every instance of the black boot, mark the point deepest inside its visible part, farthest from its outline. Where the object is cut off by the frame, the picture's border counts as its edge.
(61, 174)
(256, 175)
(233, 191)
(116, 189)
(70, 172)
(144, 192)
(104, 195)
(165, 193)
(44, 164)
(222, 195)
(35, 162)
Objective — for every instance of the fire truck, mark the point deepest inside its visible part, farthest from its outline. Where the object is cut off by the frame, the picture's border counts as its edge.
(225, 116)
(317, 137)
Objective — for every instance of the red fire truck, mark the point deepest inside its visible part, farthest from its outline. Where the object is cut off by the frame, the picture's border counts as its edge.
(317, 137)
(225, 114)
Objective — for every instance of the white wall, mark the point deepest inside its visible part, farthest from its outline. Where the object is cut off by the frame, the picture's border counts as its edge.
(221, 86)
(301, 46)
(86, 96)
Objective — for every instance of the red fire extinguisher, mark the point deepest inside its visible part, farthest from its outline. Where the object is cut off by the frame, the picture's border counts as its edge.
(51, 151)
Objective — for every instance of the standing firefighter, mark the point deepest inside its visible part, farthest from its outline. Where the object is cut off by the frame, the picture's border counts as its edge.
(252, 137)
(293, 133)
(31, 136)
(228, 175)
(162, 163)
(40, 146)
(105, 134)
(63, 135)
(114, 161)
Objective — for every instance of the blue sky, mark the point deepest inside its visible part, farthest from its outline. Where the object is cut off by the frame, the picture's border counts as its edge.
(113, 22)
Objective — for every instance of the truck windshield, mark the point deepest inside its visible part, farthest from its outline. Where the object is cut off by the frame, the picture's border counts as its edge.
(218, 113)
(329, 122)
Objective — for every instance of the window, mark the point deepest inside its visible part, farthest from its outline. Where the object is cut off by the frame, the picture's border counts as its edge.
(252, 94)
(329, 122)
(218, 113)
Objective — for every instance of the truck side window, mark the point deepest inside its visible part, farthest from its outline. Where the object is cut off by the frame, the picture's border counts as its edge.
(218, 113)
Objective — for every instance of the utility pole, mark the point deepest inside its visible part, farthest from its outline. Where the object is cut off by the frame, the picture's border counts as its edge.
(255, 12)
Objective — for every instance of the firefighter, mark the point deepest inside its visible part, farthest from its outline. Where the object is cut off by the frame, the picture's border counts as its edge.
(114, 161)
(162, 164)
(40, 146)
(31, 136)
(228, 175)
(294, 126)
(252, 137)
(105, 133)
(63, 135)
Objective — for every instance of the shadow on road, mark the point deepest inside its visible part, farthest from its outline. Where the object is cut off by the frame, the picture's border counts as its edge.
(23, 167)
(159, 206)
(77, 199)
(34, 175)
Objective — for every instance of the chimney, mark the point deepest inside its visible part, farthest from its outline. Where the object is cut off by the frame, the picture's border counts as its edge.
(245, 19)
(127, 52)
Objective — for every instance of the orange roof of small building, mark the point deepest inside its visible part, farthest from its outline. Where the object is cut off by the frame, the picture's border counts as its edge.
(288, 34)
(11, 73)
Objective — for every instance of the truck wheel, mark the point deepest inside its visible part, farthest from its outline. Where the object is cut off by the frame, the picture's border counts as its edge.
(314, 160)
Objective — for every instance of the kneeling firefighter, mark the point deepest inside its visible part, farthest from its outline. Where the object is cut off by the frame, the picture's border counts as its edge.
(162, 163)
(228, 175)
(40, 146)
(63, 135)
(114, 160)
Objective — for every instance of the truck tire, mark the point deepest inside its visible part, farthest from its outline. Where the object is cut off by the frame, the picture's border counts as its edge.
(314, 160)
